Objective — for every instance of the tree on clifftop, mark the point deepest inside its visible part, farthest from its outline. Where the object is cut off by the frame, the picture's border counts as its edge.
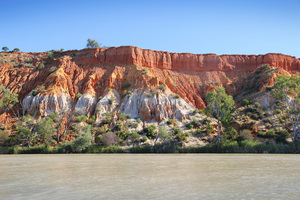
(287, 91)
(219, 105)
(5, 49)
(92, 44)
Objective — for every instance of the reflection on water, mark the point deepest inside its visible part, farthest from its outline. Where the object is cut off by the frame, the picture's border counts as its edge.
(150, 176)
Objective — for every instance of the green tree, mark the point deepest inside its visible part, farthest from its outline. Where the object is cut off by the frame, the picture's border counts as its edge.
(135, 137)
(16, 50)
(287, 91)
(5, 49)
(45, 129)
(92, 44)
(7, 98)
(25, 130)
(83, 141)
(220, 106)
(164, 134)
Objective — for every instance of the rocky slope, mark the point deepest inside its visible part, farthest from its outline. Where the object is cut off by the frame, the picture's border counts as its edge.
(151, 85)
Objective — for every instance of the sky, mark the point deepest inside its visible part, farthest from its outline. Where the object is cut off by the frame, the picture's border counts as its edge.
(212, 26)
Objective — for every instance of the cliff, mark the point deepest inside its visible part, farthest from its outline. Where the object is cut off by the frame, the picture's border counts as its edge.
(128, 79)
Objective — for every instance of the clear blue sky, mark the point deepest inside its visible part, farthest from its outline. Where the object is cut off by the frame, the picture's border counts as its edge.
(221, 27)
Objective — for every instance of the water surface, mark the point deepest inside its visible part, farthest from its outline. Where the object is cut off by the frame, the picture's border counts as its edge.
(150, 176)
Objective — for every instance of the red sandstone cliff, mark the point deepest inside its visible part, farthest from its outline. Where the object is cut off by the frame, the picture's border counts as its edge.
(103, 72)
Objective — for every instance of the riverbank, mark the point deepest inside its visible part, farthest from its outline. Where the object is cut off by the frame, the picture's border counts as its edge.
(225, 147)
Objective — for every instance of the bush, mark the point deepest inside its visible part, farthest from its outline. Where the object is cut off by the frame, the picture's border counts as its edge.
(177, 130)
(111, 100)
(126, 85)
(82, 118)
(149, 95)
(177, 96)
(91, 120)
(244, 135)
(230, 133)
(269, 134)
(107, 119)
(144, 71)
(282, 136)
(78, 95)
(162, 87)
(83, 141)
(245, 102)
(34, 92)
(122, 116)
(150, 131)
(170, 121)
(53, 69)
(109, 138)
(269, 88)
(144, 139)
(41, 66)
(209, 129)
(138, 120)
(189, 126)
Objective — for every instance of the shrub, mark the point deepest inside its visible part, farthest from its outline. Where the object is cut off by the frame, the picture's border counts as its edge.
(122, 116)
(177, 130)
(82, 118)
(91, 120)
(107, 119)
(244, 135)
(34, 92)
(144, 139)
(83, 141)
(282, 136)
(78, 95)
(245, 102)
(138, 120)
(109, 138)
(126, 85)
(170, 121)
(209, 129)
(53, 69)
(257, 104)
(269, 134)
(269, 88)
(150, 131)
(41, 66)
(182, 136)
(100, 98)
(189, 126)
(230, 133)
(177, 96)
(111, 100)
(144, 71)
(162, 87)
(149, 95)
(278, 111)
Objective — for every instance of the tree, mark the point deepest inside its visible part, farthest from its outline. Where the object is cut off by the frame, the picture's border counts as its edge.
(164, 134)
(45, 129)
(16, 50)
(92, 44)
(220, 106)
(84, 140)
(5, 49)
(287, 91)
(7, 98)
(25, 130)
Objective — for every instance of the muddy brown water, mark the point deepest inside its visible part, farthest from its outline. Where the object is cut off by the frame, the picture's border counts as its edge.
(150, 176)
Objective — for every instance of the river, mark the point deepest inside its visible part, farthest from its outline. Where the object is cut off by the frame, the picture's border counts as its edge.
(150, 176)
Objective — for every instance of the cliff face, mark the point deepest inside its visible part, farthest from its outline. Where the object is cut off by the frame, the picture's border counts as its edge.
(128, 79)
(191, 62)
